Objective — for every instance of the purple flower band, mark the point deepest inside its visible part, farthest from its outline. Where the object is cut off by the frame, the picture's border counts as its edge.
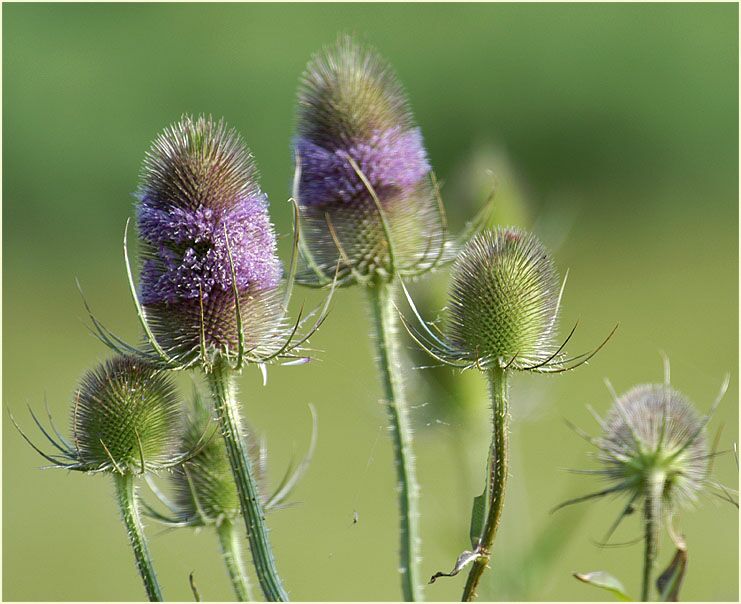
(189, 255)
(394, 161)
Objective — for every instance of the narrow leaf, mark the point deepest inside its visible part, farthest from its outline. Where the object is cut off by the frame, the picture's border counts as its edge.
(605, 581)
(478, 518)
(670, 581)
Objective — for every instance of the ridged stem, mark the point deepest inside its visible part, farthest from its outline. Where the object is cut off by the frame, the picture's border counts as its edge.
(651, 520)
(223, 391)
(126, 497)
(385, 328)
(231, 551)
(496, 476)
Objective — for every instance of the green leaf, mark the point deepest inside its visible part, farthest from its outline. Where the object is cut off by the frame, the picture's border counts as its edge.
(670, 581)
(605, 581)
(478, 517)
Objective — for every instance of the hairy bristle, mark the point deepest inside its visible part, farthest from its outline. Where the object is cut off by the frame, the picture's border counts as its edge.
(198, 162)
(347, 93)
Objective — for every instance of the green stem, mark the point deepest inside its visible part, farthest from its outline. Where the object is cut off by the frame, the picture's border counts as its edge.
(232, 554)
(497, 469)
(651, 518)
(126, 496)
(221, 382)
(385, 326)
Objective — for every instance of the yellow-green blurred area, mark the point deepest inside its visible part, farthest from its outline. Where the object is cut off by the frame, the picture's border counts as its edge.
(610, 130)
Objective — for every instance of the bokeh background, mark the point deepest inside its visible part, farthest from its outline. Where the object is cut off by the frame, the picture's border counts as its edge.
(611, 130)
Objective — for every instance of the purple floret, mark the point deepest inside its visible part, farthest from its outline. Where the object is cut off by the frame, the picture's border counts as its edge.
(189, 253)
(393, 160)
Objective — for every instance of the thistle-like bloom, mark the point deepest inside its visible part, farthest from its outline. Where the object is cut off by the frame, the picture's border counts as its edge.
(653, 450)
(211, 283)
(210, 249)
(370, 212)
(363, 179)
(503, 310)
(125, 420)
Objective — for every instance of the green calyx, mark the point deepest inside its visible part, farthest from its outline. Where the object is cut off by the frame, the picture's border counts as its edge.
(504, 300)
(125, 417)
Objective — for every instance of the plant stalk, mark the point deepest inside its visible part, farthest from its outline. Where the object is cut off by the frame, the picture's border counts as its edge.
(496, 477)
(223, 390)
(232, 554)
(651, 519)
(385, 327)
(126, 497)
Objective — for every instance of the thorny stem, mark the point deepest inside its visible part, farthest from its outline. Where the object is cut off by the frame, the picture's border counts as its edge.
(232, 554)
(497, 469)
(221, 382)
(651, 519)
(385, 327)
(126, 497)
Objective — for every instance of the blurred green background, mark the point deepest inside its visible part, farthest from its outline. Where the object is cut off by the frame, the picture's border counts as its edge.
(611, 131)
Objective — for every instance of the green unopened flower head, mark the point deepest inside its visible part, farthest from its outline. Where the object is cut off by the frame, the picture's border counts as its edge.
(503, 310)
(363, 180)
(204, 489)
(204, 485)
(125, 419)
(126, 415)
(504, 299)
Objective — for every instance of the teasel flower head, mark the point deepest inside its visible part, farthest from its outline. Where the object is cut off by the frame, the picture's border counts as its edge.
(125, 419)
(367, 196)
(203, 486)
(211, 283)
(503, 308)
(208, 240)
(653, 450)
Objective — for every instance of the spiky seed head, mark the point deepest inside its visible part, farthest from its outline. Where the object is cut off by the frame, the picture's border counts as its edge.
(352, 109)
(199, 201)
(125, 412)
(653, 430)
(504, 300)
(205, 491)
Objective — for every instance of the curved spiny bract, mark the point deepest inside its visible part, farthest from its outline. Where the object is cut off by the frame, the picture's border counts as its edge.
(208, 242)
(504, 301)
(363, 180)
